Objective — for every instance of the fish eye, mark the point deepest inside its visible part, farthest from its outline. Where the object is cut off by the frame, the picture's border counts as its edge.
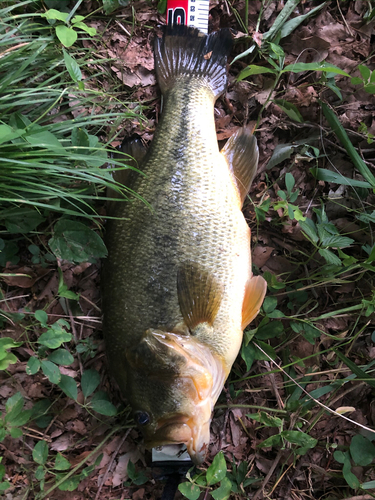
(142, 418)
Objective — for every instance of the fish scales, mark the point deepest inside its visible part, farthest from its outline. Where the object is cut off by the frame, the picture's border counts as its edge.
(195, 227)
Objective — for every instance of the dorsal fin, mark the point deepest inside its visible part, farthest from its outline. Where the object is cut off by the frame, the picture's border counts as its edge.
(199, 295)
(242, 154)
(255, 291)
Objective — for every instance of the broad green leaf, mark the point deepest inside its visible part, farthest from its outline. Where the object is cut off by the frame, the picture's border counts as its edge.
(61, 357)
(70, 484)
(14, 404)
(8, 359)
(339, 130)
(365, 72)
(248, 354)
(61, 463)
(32, 366)
(217, 470)
(22, 220)
(8, 343)
(51, 371)
(270, 330)
(76, 242)
(315, 66)
(44, 139)
(349, 477)
(362, 450)
(89, 382)
(323, 174)
(336, 241)
(224, 490)
(252, 69)
(137, 477)
(299, 438)
(189, 490)
(15, 433)
(269, 304)
(290, 110)
(275, 440)
(91, 31)
(4, 485)
(72, 67)
(54, 339)
(103, 407)
(69, 386)
(330, 257)
(55, 14)
(281, 153)
(339, 456)
(40, 473)
(269, 350)
(289, 182)
(67, 36)
(266, 419)
(42, 317)
(40, 452)
(309, 228)
(20, 419)
(369, 485)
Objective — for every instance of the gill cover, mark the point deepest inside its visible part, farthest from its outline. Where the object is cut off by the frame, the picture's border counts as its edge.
(192, 376)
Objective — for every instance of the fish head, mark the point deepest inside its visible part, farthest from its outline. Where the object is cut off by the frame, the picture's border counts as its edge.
(173, 383)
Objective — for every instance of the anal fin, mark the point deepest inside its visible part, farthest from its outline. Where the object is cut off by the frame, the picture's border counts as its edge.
(199, 295)
(242, 154)
(255, 291)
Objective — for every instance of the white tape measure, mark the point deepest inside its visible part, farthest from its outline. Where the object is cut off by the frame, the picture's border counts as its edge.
(189, 12)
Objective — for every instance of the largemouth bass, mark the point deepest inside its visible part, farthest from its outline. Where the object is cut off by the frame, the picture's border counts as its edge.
(178, 287)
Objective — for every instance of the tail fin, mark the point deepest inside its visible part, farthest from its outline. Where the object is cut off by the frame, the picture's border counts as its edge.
(186, 52)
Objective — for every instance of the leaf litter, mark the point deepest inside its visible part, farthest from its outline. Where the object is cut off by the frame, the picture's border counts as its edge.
(336, 34)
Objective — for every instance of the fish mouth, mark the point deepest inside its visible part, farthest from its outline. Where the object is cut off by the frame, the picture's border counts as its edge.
(200, 380)
(190, 431)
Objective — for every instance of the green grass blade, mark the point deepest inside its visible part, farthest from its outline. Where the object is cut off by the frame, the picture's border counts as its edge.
(339, 130)
(356, 369)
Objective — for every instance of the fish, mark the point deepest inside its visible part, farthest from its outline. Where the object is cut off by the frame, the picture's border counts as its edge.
(178, 287)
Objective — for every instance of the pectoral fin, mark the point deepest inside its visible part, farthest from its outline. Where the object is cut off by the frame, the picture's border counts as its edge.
(199, 295)
(255, 291)
(131, 153)
(242, 154)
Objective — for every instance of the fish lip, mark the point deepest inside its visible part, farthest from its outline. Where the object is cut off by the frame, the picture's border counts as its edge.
(196, 441)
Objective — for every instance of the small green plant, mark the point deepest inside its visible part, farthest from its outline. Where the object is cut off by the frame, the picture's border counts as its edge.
(66, 29)
(7, 358)
(4, 485)
(326, 237)
(288, 198)
(367, 79)
(216, 473)
(362, 453)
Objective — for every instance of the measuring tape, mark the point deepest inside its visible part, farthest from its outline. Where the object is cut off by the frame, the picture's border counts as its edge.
(189, 12)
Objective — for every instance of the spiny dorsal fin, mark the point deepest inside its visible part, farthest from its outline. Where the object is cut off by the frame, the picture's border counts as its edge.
(242, 154)
(255, 291)
(199, 295)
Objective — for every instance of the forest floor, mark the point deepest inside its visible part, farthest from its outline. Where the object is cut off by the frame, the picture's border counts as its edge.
(316, 301)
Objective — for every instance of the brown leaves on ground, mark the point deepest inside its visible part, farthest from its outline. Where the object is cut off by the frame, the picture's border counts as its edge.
(336, 34)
